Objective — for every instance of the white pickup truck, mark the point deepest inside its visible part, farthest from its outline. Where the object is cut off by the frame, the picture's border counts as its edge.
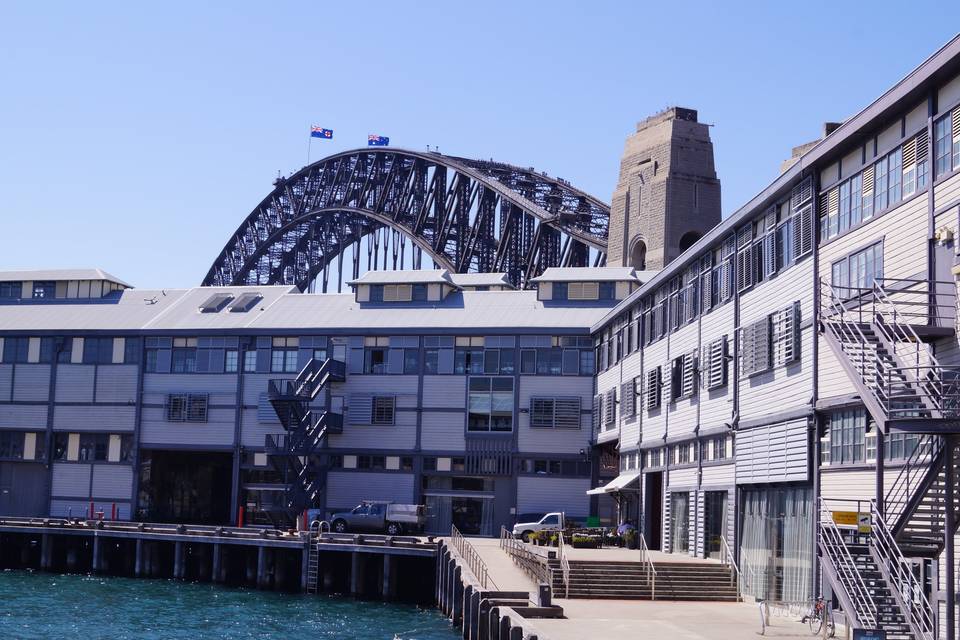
(550, 522)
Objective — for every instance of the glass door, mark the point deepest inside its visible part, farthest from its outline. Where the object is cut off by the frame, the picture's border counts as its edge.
(680, 522)
(714, 522)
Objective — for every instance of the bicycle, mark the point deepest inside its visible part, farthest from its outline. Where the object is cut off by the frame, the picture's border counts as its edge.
(820, 614)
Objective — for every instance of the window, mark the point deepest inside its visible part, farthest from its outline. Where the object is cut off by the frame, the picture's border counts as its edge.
(942, 138)
(46, 289)
(11, 444)
(858, 271)
(11, 290)
(555, 413)
(683, 376)
(715, 363)
(419, 293)
(184, 355)
(187, 407)
(498, 361)
(375, 360)
(16, 349)
(94, 447)
(383, 411)
(549, 361)
(720, 448)
(490, 404)
(131, 350)
(250, 361)
(230, 361)
(372, 462)
(97, 350)
(284, 355)
(468, 360)
(847, 430)
(60, 445)
(411, 360)
(654, 381)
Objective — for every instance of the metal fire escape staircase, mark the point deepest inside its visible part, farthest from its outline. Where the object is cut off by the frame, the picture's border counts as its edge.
(292, 453)
(876, 337)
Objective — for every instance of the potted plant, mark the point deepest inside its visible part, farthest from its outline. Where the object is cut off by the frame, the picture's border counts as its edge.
(630, 538)
(583, 542)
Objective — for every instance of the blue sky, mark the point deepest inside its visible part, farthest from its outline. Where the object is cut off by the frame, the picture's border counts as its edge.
(135, 137)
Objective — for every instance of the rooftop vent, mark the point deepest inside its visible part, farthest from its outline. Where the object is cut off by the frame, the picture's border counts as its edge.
(216, 302)
(245, 302)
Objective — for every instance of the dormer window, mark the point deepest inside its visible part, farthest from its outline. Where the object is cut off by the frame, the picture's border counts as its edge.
(45, 289)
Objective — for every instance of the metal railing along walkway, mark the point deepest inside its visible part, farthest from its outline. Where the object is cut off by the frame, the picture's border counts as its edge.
(471, 557)
(528, 561)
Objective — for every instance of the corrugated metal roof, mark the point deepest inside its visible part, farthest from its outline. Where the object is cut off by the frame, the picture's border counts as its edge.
(60, 274)
(587, 274)
(481, 280)
(283, 308)
(414, 276)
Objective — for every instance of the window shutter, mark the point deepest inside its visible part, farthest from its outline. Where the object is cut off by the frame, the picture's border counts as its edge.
(706, 290)
(715, 369)
(726, 279)
(744, 268)
(761, 345)
(747, 366)
(360, 409)
(803, 232)
(566, 413)
(653, 389)
(909, 154)
(956, 126)
(769, 254)
(867, 187)
(786, 345)
(921, 146)
(627, 400)
(610, 406)
(597, 412)
(689, 375)
(801, 194)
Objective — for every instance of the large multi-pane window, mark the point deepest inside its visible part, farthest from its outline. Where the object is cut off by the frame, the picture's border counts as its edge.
(942, 146)
(858, 270)
(183, 358)
(491, 404)
(10, 290)
(847, 433)
(97, 350)
(283, 355)
(45, 289)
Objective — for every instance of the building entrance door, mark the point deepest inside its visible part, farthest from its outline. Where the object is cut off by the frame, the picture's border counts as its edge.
(653, 509)
(714, 522)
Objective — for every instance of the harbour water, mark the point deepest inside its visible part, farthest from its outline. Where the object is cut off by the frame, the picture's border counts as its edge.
(37, 606)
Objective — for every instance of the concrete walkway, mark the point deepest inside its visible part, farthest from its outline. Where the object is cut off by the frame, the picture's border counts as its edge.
(506, 575)
(586, 619)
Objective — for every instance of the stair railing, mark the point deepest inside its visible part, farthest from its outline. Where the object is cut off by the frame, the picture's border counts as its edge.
(908, 590)
(564, 563)
(649, 570)
(833, 546)
(527, 560)
(727, 559)
(470, 556)
(911, 477)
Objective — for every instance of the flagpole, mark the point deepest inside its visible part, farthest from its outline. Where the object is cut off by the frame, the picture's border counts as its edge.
(309, 142)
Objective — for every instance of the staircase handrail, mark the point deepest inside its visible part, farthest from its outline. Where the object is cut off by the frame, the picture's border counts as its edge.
(864, 608)
(840, 323)
(471, 557)
(899, 494)
(528, 561)
(564, 563)
(933, 312)
(727, 559)
(650, 571)
(907, 589)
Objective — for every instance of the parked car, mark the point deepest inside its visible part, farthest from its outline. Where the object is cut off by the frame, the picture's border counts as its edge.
(550, 522)
(380, 517)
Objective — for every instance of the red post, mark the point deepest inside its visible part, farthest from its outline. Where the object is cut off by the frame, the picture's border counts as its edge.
(240, 517)
(113, 511)
(91, 510)
(306, 520)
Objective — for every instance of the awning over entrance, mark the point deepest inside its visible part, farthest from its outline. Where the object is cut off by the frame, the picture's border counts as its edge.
(620, 483)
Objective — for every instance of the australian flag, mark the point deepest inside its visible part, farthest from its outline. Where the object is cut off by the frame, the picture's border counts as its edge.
(377, 141)
(320, 132)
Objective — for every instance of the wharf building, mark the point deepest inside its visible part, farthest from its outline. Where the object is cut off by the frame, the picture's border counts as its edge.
(748, 384)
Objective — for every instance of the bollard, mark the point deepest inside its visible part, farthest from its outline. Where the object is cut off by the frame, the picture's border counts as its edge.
(493, 623)
(474, 619)
(483, 622)
(465, 607)
(457, 615)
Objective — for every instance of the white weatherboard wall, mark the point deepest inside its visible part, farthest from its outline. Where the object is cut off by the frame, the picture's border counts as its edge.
(773, 453)
(70, 480)
(840, 484)
(716, 406)
(31, 383)
(786, 386)
(117, 383)
(112, 481)
(553, 440)
(684, 414)
(156, 431)
(444, 392)
(721, 475)
(947, 192)
(94, 418)
(655, 422)
(23, 416)
(542, 495)
(75, 382)
(683, 477)
(347, 489)
(607, 380)
(630, 427)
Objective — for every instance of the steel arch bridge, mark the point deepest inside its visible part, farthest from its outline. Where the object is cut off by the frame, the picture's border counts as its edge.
(465, 215)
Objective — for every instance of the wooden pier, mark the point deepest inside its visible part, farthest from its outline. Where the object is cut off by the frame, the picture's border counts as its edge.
(371, 566)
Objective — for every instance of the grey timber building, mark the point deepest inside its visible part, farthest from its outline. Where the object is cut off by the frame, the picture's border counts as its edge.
(783, 384)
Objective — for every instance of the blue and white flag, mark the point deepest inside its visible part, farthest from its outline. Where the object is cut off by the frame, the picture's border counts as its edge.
(377, 141)
(320, 132)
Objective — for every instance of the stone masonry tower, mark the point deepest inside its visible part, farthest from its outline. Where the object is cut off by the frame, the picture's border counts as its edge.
(668, 195)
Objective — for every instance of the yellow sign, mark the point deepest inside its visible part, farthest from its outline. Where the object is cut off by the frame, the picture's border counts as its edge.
(852, 519)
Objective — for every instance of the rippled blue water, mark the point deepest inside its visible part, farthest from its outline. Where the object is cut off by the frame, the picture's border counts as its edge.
(41, 605)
